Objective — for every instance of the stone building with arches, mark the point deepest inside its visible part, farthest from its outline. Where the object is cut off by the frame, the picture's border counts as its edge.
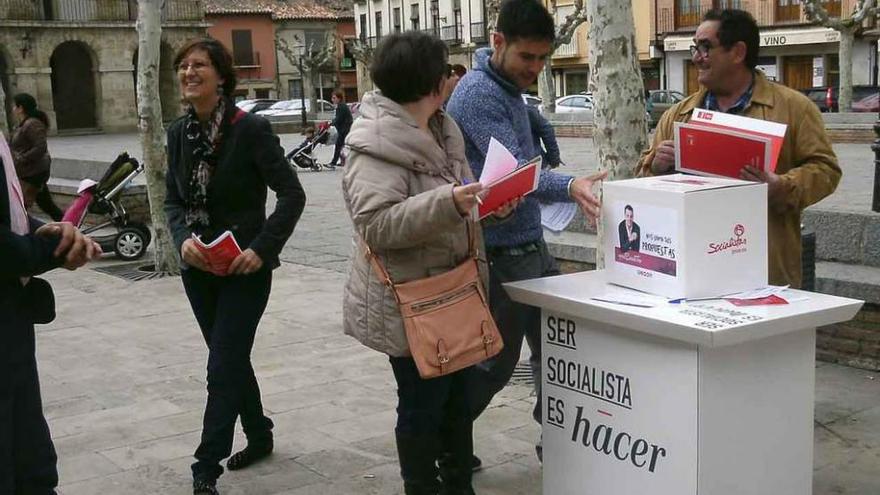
(78, 58)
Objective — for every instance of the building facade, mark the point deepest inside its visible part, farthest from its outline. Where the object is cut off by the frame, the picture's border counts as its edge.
(793, 51)
(250, 37)
(460, 23)
(78, 58)
(256, 30)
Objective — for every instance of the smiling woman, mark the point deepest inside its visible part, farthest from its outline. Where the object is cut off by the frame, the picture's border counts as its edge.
(221, 161)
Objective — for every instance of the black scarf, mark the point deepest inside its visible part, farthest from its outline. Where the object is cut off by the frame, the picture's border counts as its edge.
(205, 143)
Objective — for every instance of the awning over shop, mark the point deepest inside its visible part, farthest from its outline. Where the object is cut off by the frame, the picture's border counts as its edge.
(780, 37)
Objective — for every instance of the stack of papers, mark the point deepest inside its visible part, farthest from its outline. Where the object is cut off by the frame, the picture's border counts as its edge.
(503, 181)
(720, 144)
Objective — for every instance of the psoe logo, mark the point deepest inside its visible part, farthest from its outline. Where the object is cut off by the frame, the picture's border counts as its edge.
(704, 115)
(737, 243)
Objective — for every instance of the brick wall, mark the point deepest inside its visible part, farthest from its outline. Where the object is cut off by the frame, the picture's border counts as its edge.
(854, 343)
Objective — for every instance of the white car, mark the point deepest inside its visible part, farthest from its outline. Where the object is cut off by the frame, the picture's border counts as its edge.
(574, 103)
(295, 110)
(279, 107)
(533, 101)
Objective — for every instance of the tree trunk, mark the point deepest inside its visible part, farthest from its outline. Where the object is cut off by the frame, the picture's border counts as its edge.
(621, 131)
(844, 98)
(149, 28)
(547, 88)
(4, 127)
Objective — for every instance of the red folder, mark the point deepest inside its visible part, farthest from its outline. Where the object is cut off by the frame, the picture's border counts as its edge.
(220, 253)
(720, 144)
(516, 184)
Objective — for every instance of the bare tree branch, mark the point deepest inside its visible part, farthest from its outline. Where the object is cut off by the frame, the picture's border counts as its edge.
(569, 25)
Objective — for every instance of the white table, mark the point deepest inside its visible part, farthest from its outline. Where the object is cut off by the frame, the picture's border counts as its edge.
(701, 398)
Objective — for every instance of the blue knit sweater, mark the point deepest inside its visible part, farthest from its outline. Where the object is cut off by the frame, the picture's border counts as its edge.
(487, 105)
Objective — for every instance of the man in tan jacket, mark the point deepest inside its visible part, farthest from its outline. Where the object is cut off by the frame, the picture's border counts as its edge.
(725, 53)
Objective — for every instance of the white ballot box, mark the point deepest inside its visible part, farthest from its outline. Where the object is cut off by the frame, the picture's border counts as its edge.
(686, 236)
(696, 399)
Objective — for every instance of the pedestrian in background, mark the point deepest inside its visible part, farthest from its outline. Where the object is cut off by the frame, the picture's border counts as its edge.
(544, 137)
(403, 191)
(220, 162)
(342, 121)
(31, 154)
(27, 248)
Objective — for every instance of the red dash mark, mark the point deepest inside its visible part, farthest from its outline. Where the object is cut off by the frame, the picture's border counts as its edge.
(605, 413)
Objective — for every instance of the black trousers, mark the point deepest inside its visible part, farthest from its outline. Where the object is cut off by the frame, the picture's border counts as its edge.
(433, 421)
(514, 321)
(27, 455)
(44, 196)
(337, 150)
(228, 310)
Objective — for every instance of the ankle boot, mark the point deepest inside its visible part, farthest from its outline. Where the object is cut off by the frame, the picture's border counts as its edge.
(456, 466)
(417, 455)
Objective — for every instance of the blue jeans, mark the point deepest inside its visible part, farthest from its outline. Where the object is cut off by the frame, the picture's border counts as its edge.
(514, 321)
(228, 310)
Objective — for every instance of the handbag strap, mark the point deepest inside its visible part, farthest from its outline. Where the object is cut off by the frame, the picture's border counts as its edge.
(383, 274)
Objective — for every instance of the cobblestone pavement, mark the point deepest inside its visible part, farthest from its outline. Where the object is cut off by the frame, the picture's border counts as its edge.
(123, 380)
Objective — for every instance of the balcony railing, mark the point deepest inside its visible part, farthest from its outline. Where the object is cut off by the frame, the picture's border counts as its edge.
(688, 17)
(95, 10)
(569, 49)
(451, 34)
(478, 32)
(249, 61)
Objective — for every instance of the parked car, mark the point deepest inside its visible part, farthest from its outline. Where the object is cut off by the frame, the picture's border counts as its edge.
(533, 101)
(870, 103)
(254, 106)
(295, 110)
(278, 107)
(574, 103)
(825, 97)
(659, 100)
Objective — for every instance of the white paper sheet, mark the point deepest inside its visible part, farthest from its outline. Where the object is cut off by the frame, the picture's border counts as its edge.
(557, 216)
(499, 162)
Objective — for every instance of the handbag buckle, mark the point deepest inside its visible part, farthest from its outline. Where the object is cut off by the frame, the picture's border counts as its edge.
(443, 358)
(488, 339)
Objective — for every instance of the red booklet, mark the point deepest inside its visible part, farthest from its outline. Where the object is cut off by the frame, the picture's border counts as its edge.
(220, 252)
(513, 185)
(721, 144)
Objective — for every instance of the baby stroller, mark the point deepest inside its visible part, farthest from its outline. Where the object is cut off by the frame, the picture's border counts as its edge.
(303, 156)
(130, 239)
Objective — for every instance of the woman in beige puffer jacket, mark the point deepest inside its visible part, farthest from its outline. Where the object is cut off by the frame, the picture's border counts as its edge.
(403, 189)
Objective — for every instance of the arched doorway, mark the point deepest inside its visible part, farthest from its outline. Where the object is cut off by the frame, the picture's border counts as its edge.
(73, 86)
(5, 93)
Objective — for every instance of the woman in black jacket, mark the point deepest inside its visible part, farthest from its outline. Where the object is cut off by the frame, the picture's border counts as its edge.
(27, 248)
(31, 154)
(220, 162)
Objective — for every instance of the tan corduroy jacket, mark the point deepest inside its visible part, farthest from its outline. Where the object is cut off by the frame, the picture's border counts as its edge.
(807, 165)
(397, 188)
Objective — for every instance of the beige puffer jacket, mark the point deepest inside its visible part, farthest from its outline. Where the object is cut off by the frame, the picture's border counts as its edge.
(398, 190)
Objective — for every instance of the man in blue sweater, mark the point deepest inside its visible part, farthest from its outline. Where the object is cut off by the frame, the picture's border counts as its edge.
(485, 104)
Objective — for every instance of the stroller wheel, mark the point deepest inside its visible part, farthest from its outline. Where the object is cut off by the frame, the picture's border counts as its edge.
(130, 244)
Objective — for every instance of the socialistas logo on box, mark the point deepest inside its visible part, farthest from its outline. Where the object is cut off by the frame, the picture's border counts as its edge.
(736, 244)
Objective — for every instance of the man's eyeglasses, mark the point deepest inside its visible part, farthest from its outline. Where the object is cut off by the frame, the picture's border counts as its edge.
(701, 47)
(196, 66)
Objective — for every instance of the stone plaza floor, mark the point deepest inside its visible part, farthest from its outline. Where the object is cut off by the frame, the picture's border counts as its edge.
(123, 374)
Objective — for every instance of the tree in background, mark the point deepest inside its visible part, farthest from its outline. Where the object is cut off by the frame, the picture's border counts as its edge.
(621, 131)
(312, 60)
(149, 29)
(564, 33)
(848, 28)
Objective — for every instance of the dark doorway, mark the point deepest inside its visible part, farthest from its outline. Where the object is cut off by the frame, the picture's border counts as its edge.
(73, 86)
(6, 107)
